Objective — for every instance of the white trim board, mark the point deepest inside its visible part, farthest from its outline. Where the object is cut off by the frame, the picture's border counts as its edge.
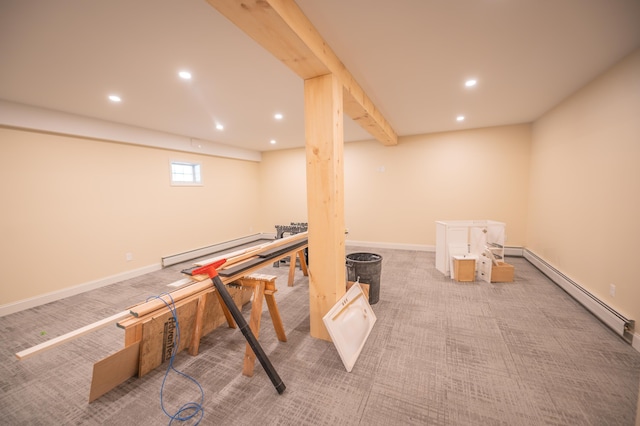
(214, 248)
(32, 302)
(396, 246)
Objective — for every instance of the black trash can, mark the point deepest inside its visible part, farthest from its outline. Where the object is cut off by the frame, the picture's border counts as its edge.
(368, 267)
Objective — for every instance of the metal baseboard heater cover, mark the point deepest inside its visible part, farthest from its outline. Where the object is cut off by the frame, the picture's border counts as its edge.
(613, 319)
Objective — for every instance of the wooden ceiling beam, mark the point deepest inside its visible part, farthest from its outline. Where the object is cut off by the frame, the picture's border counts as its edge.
(282, 28)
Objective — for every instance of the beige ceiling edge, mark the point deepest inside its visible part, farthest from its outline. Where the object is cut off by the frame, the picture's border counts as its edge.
(282, 28)
(44, 120)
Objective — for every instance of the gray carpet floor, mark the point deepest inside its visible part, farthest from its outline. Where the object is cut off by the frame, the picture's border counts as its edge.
(441, 353)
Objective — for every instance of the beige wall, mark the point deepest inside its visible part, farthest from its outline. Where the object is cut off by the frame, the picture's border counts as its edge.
(72, 208)
(395, 194)
(567, 188)
(584, 215)
(283, 188)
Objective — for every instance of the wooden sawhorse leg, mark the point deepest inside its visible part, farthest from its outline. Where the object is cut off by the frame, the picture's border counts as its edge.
(292, 266)
(263, 288)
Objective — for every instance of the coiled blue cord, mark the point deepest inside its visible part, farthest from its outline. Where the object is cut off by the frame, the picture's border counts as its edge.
(189, 410)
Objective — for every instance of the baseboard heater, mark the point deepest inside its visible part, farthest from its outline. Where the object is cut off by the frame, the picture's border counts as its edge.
(613, 319)
(214, 248)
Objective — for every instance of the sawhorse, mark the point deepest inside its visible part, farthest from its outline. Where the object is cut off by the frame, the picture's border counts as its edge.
(292, 266)
(264, 287)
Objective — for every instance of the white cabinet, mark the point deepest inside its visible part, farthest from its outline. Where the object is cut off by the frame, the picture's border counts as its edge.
(459, 237)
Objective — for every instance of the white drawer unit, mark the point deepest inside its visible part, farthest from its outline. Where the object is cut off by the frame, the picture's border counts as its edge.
(475, 237)
(484, 269)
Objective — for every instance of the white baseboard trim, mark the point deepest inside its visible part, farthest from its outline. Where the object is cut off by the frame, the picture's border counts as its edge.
(32, 302)
(514, 251)
(636, 342)
(397, 246)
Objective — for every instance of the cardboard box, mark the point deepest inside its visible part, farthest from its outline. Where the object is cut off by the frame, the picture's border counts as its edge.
(464, 269)
(502, 273)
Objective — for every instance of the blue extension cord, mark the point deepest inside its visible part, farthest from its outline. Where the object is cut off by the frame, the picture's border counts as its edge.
(193, 408)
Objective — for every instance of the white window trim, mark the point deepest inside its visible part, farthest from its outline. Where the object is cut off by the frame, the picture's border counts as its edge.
(185, 183)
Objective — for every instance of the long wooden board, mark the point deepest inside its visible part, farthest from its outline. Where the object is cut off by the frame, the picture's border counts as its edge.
(240, 255)
(72, 335)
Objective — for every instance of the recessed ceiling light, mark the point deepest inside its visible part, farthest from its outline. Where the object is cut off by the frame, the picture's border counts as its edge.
(185, 75)
(470, 83)
(460, 118)
(272, 141)
(114, 98)
(278, 116)
(219, 126)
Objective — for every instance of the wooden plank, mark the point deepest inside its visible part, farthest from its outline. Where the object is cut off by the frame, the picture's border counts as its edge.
(257, 266)
(282, 28)
(114, 370)
(72, 335)
(325, 197)
(239, 256)
(276, 251)
(132, 334)
(181, 282)
(177, 295)
(243, 266)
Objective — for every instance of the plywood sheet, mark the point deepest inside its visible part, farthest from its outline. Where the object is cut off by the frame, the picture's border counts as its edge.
(158, 336)
(114, 370)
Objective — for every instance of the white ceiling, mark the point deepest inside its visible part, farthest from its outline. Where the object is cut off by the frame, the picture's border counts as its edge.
(410, 56)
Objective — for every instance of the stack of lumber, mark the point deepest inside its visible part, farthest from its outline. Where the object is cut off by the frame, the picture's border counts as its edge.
(149, 326)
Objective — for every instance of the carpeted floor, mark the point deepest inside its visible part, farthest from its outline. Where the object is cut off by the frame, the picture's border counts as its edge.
(441, 353)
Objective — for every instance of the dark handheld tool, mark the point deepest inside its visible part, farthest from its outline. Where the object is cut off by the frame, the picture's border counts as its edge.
(211, 270)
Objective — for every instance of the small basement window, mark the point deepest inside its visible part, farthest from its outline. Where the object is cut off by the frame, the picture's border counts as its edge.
(185, 173)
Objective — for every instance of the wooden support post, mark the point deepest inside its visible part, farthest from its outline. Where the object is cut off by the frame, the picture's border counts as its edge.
(325, 197)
